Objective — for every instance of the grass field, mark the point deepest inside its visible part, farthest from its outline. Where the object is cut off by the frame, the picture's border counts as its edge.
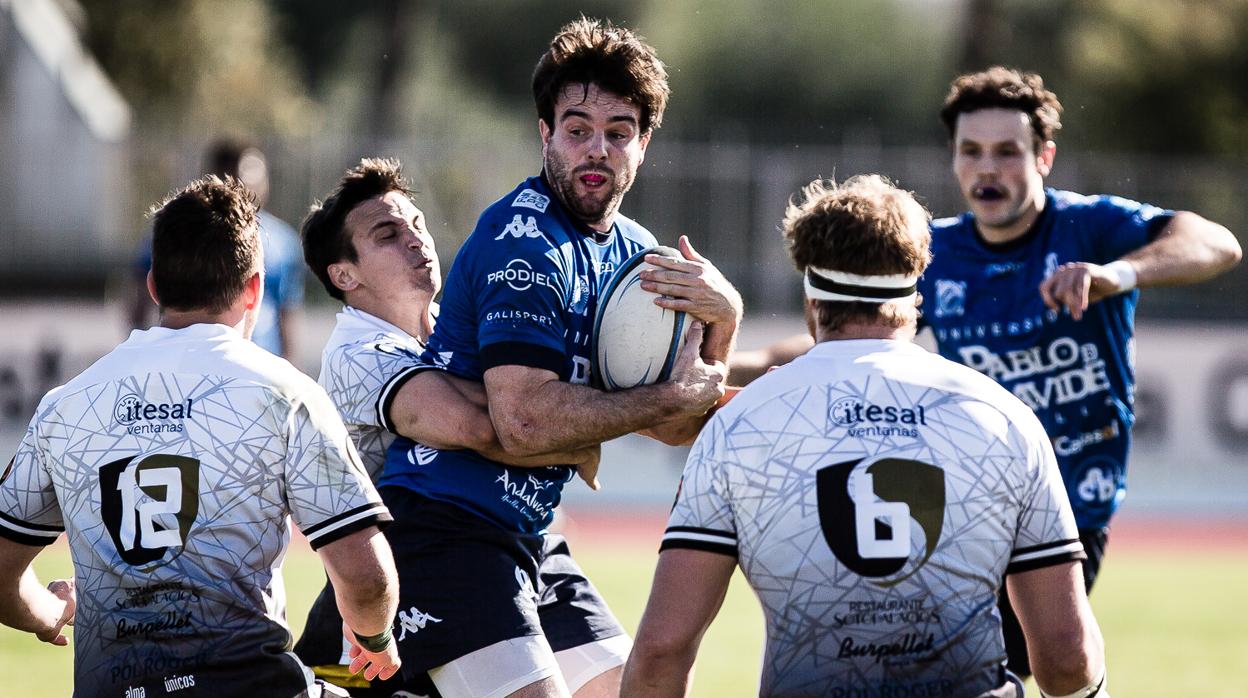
(1173, 619)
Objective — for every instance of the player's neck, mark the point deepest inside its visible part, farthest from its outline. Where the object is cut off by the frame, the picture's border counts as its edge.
(1015, 229)
(179, 320)
(905, 333)
(415, 318)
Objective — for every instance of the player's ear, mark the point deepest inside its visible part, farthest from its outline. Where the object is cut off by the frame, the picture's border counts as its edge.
(342, 275)
(645, 141)
(544, 130)
(253, 291)
(1044, 159)
(151, 288)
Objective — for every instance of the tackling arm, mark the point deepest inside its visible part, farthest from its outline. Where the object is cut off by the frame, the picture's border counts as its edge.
(446, 412)
(1064, 641)
(24, 603)
(689, 587)
(534, 412)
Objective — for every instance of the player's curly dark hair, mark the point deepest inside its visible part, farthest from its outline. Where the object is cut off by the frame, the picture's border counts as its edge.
(205, 245)
(864, 225)
(1004, 88)
(590, 51)
(325, 238)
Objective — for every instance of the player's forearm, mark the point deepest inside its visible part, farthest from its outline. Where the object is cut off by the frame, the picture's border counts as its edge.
(27, 606)
(564, 417)
(1189, 250)
(647, 675)
(366, 584)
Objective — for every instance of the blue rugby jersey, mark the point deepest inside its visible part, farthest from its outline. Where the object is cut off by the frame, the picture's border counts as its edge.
(522, 291)
(984, 305)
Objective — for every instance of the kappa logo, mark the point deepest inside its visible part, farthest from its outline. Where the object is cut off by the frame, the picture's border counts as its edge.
(421, 454)
(950, 298)
(531, 199)
(413, 621)
(526, 584)
(521, 229)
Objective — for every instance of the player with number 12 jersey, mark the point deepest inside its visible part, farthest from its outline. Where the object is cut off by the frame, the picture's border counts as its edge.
(175, 464)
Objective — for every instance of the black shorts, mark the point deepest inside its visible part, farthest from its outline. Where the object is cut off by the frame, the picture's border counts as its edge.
(1094, 541)
(465, 584)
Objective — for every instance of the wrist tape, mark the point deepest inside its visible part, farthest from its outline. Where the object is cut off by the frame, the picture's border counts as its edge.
(374, 643)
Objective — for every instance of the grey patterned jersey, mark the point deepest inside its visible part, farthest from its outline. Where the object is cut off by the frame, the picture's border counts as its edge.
(365, 362)
(875, 494)
(175, 464)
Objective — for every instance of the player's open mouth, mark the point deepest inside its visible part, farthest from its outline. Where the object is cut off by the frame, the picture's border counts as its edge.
(987, 192)
(594, 180)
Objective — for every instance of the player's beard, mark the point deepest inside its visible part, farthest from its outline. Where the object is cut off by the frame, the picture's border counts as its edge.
(589, 209)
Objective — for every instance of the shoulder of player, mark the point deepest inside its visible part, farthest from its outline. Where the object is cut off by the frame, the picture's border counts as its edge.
(1072, 204)
(972, 385)
(946, 231)
(635, 232)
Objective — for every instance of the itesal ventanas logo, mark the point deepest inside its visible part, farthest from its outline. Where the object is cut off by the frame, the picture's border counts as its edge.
(151, 417)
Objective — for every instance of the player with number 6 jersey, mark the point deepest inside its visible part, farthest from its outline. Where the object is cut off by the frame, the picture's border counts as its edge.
(874, 494)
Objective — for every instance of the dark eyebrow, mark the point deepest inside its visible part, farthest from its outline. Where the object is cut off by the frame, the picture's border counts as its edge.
(380, 225)
(571, 113)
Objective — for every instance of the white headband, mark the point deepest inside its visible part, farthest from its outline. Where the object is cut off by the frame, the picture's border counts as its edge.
(832, 285)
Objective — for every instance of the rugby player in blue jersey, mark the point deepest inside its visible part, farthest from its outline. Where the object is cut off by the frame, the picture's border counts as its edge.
(1037, 289)
(493, 604)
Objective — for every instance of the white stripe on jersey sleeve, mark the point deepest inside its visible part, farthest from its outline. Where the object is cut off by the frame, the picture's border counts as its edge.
(1038, 556)
(43, 534)
(324, 531)
(699, 539)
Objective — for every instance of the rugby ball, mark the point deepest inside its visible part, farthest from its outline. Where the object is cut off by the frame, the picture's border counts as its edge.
(635, 342)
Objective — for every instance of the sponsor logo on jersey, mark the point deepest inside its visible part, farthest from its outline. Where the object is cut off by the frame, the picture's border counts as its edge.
(413, 621)
(519, 228)
(519, 275)
(136, 692)
(890, 612)
(1003, 268)
(882, 517)
(866, 419)
(517, 316)
(1072, 445)
(950, 298)
(1096, 481)
(525, 582)
(1043, 376)
(527, 496)
(531, 199)
(910, 643)
(177, 683)
(130, 410)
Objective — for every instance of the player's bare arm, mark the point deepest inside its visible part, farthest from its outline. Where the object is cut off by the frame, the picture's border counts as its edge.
(693, 285)
(25, 604)
(1063, 639)
(446, 412)
(366, 584)
(534, 412)
(689, 587)
(1190, 249)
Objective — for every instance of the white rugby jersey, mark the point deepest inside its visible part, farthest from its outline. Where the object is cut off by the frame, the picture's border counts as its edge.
(365, 362)
(875, 494)
(175, 464)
